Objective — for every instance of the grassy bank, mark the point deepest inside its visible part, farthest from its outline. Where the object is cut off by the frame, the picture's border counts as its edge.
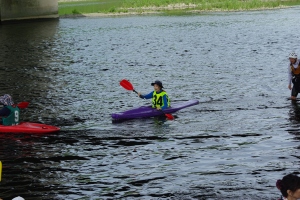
(127, 6)
(90, 6)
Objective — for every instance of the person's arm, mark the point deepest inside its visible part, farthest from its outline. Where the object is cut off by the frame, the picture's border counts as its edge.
(4, 112)
(165, 102)
(147, 96)
(290, 77)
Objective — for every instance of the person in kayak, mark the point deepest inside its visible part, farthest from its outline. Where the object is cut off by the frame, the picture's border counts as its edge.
(289, 187)
(9, 113)
(294, 75)
(160, 99)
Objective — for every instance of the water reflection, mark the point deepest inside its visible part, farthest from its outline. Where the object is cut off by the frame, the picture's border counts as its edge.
(25, 57)
(294, 117)
(25, 54)
(294, 113)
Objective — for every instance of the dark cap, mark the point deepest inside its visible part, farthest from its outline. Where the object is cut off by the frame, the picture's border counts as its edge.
(157, 82)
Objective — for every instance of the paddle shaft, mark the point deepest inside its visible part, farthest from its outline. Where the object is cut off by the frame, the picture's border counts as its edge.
(21, 105)
(0, 170)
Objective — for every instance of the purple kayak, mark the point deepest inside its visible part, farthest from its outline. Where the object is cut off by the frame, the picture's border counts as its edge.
(148, 111)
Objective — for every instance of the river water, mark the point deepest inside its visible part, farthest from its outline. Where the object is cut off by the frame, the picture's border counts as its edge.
(240, 138)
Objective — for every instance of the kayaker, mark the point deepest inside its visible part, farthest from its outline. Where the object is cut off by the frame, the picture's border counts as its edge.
(294, 75)
(10, 113)
(160, 99)
(289, 187)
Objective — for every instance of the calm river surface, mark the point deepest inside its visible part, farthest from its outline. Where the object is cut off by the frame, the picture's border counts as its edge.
(242, 136)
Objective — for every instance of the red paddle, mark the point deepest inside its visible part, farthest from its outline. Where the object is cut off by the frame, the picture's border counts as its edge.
(128, 86)
(23, 105)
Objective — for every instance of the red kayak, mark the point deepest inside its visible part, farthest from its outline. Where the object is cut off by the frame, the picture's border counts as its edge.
(28, 127)
(12, 124)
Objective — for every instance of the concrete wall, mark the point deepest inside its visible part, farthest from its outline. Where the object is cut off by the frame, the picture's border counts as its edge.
(28, 9)
(0, 10)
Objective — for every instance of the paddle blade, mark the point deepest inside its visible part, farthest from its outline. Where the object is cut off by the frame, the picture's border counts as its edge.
(23, 105)
(126, 84)
(169, 116)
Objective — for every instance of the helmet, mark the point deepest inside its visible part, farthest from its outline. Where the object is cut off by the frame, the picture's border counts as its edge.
(6, 100)
(293, 55)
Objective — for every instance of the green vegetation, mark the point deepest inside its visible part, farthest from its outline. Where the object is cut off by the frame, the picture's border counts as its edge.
(75, 12)
(90, 6)
(175, 6)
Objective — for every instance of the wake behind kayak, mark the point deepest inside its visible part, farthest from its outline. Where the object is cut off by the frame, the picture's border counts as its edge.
(148, 111)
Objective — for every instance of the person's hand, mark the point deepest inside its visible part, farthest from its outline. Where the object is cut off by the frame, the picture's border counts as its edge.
(139, 94)
(290, 86)
(158, 108)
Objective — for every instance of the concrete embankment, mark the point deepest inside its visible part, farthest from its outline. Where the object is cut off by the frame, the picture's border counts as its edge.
(11, 10)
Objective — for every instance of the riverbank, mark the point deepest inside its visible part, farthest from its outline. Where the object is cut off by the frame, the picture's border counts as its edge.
(77, 8)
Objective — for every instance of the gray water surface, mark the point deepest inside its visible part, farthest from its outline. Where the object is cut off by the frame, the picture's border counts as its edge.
(240, 138)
